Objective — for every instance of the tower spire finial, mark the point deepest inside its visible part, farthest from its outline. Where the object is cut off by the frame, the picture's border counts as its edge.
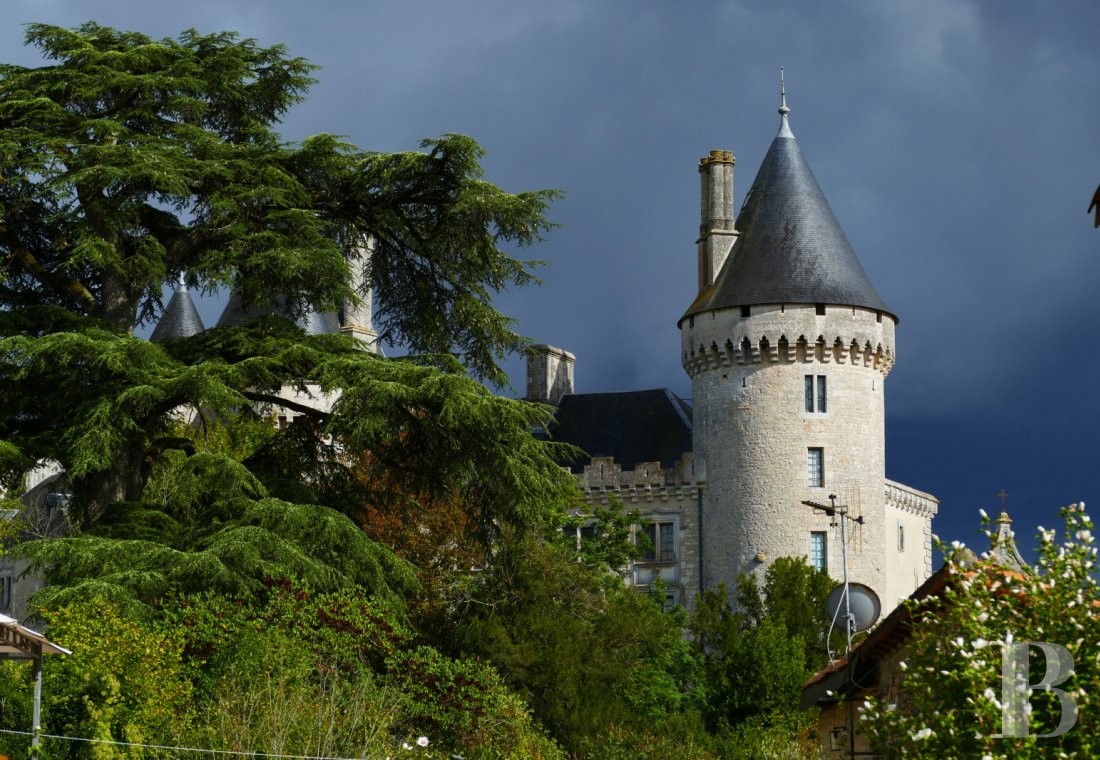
(784, 128)
(783, 110)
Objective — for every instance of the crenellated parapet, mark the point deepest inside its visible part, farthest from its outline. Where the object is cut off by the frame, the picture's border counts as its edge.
(788, 334)
(604, 474)
(747, 351)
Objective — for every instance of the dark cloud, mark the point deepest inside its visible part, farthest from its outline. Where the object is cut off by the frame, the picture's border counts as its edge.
(957, 142)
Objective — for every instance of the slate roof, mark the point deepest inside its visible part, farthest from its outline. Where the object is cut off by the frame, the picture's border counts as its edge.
(791, 249)
(180, 318)
(314, 323)
(631, 426)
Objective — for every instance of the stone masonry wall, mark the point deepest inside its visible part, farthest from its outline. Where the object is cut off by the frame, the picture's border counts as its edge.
(752, 435)
(661, 495)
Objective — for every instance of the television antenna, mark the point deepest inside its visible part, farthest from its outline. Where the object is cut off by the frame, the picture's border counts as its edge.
(866, 604)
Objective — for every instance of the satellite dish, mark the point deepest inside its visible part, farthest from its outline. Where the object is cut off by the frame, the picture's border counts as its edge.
(862, 601)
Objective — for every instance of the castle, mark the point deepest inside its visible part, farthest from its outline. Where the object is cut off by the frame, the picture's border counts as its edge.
(788, 347)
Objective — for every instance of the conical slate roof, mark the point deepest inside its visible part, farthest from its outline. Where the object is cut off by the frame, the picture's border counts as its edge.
(314, 323)
(791, 248)
(180, 319)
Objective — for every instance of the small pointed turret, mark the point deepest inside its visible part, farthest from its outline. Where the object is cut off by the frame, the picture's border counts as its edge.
(180, 318)
(1002, 542)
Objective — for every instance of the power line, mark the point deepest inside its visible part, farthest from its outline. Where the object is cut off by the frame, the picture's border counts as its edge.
(179, 749)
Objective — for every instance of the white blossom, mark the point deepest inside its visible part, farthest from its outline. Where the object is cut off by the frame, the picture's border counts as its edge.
(924, 733)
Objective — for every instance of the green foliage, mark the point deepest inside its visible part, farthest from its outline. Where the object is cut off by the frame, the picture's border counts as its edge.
(346, 631)
(450, 699)
(124, 681)
(337, 674)
(608, 539)
(130, 161)
(276, 701)
(16, 695)
(583, 649)
(794, 596)
(218, 532)
(758, 656)
(947, 701)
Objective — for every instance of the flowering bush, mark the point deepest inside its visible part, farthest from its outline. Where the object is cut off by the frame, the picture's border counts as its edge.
(950, 698)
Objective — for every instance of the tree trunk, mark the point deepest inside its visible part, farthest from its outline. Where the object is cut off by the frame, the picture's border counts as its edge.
(118, 303)
(125, 482)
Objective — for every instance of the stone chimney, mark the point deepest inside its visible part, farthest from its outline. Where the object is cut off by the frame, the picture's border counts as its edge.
(357, 317)
(549, 373)
(716, 231)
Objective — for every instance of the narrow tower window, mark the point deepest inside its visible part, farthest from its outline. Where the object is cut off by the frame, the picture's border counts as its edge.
(818, 557)
(901, 537)
(816, 467)
(820, 308)
(816, 394)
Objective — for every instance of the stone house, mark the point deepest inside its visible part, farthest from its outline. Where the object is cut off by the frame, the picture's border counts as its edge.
(873, 666)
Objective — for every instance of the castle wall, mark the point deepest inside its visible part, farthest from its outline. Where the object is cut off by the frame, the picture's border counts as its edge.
(662, 496)
(909, 514)
(752, 435)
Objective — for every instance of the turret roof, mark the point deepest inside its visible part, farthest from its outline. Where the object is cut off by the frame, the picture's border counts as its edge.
(180, 318)
(313, 322)
(791, 249)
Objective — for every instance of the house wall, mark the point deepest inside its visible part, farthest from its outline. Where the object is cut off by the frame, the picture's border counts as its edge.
(837, 719)
(21, 587)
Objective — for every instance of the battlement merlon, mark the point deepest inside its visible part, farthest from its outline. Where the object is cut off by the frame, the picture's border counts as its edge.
(605, 473)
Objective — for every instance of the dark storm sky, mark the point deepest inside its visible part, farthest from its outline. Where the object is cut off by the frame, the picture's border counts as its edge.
(958, 143)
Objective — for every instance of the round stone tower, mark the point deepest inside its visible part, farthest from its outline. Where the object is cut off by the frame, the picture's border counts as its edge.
(788, 346)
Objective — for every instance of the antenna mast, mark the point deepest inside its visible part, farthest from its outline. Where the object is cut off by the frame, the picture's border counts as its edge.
(834, 511)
